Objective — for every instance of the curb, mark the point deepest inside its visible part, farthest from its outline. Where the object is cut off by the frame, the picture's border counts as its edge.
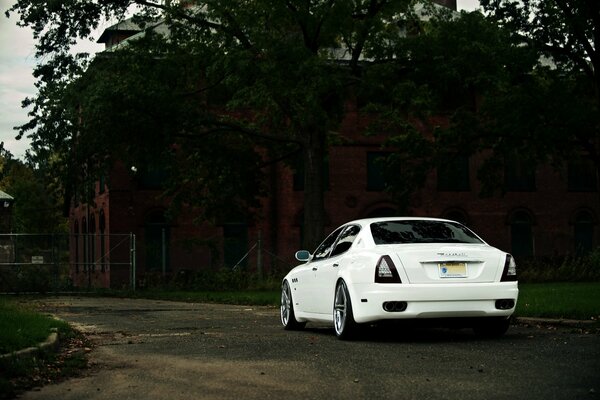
(573, 323)
(50, 342)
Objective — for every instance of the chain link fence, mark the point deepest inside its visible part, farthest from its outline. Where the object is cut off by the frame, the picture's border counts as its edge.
(61, 262)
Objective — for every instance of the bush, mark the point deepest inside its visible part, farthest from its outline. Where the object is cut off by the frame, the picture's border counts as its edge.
(585, 268)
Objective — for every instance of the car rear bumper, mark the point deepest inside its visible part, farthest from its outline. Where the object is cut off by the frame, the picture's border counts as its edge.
(454, 300)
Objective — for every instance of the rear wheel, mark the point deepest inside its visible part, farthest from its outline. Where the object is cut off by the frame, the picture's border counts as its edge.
(491, 327)
(343, 317)
(288, 317)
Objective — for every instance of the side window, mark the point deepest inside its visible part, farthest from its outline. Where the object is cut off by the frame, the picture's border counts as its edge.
(325, 248)
(346, 239)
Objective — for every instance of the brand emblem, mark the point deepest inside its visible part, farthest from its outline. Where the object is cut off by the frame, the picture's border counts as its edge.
(455, 254)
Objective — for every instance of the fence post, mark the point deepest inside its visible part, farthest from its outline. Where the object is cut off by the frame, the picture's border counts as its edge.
(259, 259)
(132, 261)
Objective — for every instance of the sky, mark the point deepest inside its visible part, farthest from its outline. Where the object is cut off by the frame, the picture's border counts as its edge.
(17, 60)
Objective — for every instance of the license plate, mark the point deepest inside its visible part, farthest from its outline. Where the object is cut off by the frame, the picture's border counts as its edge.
(453, 270)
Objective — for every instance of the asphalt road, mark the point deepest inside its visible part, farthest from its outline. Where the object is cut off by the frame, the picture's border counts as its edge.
(146, 349)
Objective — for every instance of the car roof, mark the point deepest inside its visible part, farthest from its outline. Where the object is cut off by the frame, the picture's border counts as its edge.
(367, 221)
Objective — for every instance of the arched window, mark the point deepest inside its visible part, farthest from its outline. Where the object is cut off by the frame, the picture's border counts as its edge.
(583, 232)
(521, 233)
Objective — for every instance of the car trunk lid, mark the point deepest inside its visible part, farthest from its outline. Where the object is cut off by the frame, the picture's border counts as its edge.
(444, 263)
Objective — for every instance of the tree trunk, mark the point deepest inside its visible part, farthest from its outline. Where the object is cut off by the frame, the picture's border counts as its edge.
(314, 188)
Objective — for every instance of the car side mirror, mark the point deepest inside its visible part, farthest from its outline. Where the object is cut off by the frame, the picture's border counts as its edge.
(303, 255)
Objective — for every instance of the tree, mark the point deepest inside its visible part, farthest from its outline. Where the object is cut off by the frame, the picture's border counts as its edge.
(477, 86)
(566, 33)
(436, 98)
(282, 69)
(36, 208)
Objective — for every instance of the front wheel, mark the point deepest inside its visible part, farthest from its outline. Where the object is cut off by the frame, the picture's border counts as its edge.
(288, 317)
(343, 317)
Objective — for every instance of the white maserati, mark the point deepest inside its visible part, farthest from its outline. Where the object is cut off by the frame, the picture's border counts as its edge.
(401, 268)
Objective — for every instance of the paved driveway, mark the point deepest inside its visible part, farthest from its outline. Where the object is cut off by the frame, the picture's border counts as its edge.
(145, 349)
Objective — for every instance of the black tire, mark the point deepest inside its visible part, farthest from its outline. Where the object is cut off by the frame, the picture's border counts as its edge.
(286, 311)
(491, 327)
(343, 318)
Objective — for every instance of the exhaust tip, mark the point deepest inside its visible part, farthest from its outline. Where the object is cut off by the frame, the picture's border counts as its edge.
(395, 306)
(505, 304)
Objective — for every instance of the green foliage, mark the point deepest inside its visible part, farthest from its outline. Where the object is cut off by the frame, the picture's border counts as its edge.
(479, 85)
(433, 99)
(559, 109)
(221, 89)
(572, 268)
(229, 78)
(38, 205)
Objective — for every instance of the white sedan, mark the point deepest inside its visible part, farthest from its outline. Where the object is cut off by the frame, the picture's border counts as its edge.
(379, 269)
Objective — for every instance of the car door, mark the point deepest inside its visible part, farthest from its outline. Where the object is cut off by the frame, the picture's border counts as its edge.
(327, 272)
(317, 262)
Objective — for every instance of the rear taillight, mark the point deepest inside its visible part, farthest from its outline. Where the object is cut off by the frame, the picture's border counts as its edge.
(510, 270)
(386, 272)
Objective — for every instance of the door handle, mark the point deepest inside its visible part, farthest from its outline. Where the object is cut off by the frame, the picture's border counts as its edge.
(315, 268)
(336, 265)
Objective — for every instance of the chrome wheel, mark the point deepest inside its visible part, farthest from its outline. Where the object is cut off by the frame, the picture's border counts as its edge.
(286, 304)
(288, 317)
(343, 317)
(340, 309)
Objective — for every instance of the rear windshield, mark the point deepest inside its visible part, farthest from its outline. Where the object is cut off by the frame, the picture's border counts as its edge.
(421, 231)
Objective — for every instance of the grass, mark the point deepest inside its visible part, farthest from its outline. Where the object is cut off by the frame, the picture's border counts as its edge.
(21, 327)
(572, 300)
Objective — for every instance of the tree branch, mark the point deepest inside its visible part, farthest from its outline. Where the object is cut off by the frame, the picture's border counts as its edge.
(233, 31)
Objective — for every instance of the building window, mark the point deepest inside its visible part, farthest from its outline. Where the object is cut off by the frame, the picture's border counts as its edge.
(156, 234)
(153, 177)
(235, 244)
(102, 184)
(298, 178)
(453, 174)
(376, 181)
(521, 234)
(582, 176)
(583, 232)
(519, 175)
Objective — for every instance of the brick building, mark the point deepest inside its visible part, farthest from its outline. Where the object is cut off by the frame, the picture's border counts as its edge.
(544, 212)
